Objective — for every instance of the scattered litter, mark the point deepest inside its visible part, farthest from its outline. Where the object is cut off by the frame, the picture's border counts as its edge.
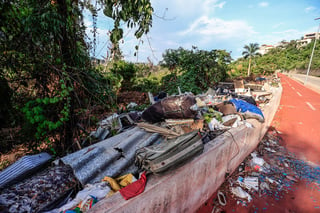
(215, 125)
(264, 186)
(269, 171)
(109, 121)
(239, 192)
(89, 195)
(100, 133)
(222, 198)
(251, 183)
(257, 161)
(269, 150)
(132, 105)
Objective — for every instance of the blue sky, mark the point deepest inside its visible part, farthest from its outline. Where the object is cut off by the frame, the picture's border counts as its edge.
(213, 24)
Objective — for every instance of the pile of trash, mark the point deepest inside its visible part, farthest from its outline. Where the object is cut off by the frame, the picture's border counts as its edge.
(171, 131)
(270, 171)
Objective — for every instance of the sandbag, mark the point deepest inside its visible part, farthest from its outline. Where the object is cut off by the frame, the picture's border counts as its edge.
(176, 107)
(158, 158)
(226, 108)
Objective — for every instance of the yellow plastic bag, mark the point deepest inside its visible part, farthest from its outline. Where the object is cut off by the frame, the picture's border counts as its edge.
(119, 182)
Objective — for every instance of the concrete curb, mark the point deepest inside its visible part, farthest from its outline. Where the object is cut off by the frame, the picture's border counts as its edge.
(311, 86)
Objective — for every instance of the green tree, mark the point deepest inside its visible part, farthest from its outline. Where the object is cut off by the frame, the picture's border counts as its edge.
(136, 14)
(251, 51)
(45, 59)
(194, 70)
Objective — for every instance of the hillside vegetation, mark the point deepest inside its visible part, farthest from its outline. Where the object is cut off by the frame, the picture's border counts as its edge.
(284, 58)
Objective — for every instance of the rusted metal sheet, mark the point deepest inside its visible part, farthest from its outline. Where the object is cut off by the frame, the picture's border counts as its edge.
(110, 157)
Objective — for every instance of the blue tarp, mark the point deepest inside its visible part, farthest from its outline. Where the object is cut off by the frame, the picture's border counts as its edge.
(243, 106)
(247, 109)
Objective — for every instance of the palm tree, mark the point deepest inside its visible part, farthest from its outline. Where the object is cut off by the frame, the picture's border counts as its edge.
(251, 51)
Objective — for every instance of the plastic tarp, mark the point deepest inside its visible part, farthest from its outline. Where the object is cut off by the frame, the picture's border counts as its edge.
(249, 110)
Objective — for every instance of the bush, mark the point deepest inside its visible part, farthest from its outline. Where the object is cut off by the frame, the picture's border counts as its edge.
(127, 71)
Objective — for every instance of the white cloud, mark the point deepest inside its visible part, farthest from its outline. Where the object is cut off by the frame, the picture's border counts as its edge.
(210, 5)
(277, 25)
(264, 4)
(214, 33)
(205, 26)
(309, 9)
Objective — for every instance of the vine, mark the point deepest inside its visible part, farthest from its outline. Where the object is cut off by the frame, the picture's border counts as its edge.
(38, 114)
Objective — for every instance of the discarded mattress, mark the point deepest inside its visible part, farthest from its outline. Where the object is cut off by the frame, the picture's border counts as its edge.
(40, 192)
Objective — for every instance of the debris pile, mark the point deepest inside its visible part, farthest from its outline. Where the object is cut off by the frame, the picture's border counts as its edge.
(171, 131)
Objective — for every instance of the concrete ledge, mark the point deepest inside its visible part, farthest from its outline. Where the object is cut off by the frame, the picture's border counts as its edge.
(186, 188)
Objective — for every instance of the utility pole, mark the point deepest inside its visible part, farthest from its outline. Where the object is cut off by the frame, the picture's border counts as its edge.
(315, 41)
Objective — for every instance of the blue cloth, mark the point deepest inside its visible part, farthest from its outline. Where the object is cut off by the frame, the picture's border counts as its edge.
(243, 106)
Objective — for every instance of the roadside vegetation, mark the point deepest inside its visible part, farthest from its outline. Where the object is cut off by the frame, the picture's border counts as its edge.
(285, 58)
(53, 94)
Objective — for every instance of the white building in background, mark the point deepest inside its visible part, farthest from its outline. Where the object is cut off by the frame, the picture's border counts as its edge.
(303, 42)
(264, 48)
(307, 38)
(281, 44)
(310, 36)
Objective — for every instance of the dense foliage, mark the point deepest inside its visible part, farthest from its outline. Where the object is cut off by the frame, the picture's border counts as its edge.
(286, 57)
(194, 70)
(45, 60)
(291, 57)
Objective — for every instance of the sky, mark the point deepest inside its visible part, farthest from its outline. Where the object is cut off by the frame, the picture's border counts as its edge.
(211, 24)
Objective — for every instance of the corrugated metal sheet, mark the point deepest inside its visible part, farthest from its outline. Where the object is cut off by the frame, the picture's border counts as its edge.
(110, 157)
(24, 166)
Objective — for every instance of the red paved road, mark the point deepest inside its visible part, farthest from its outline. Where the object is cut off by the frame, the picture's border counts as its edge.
(298, 119)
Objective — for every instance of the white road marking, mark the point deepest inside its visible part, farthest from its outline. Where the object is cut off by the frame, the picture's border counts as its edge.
(310, 106)
(299, 94)
(293, 88)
